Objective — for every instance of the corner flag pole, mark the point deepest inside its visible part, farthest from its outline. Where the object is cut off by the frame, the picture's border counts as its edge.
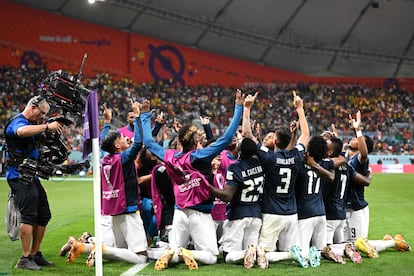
(97, 206)
(91, 144)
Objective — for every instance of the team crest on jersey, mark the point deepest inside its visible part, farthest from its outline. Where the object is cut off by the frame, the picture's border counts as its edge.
(107, 174)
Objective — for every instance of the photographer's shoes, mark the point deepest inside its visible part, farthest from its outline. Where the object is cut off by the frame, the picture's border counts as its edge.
(40, 260)
(27, 263)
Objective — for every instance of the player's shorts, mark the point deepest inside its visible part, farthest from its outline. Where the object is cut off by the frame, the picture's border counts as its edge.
(197, 225)
(107, 232)
(312, 232)
(357, 224)
(239, 233)
(129, 232)
(32, 201)
(282, 228)
(335, 231)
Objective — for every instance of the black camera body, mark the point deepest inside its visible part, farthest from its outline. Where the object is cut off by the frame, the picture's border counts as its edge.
(65, 92)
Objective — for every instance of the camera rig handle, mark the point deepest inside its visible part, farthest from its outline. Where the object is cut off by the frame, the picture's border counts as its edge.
(61, 119)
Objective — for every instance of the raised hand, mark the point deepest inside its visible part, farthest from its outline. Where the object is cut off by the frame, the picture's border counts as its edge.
(239, 97)
(205, 120)
(257, 129)
(250, 99)
(355, 123)
(107, 113)
(136, 108)
(176, 124)
(297, 101)
(335, 131)
(160, 118)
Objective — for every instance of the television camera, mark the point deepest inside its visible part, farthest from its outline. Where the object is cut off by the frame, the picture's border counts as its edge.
(63, 91)
(43, 169)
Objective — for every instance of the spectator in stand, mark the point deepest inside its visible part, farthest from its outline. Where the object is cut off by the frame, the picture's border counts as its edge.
(381, 108)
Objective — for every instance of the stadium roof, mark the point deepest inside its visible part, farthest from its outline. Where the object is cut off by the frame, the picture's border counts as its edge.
(361, 38)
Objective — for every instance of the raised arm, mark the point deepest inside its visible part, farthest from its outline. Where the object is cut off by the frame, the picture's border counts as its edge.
(159, 122)
(303, 123)
(208, 153)
(205, 122)
(246, 125)
(136, 146)
(149, 142)
(362, 146)
(294, 135)
(107, 113)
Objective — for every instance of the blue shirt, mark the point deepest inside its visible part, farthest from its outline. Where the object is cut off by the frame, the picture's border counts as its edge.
(11, 133)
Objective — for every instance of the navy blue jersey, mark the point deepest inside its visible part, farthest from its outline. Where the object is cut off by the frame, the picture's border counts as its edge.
(309, 187)
(281, 169)
(334, 193)
(355, 196)
(248, 177)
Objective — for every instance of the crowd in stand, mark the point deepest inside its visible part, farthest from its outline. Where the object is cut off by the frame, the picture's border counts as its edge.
(381, 108)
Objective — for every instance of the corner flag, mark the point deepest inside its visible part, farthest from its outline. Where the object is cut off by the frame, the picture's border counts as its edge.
(90, 123)
(91, 144)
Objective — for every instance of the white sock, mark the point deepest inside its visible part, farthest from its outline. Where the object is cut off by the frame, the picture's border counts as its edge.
(338, 248)
(273, 257)
(175, 258)
(204, 257)
(235, 257)
(382, 245)
(123, 254)
(155, 254)
(88, 247)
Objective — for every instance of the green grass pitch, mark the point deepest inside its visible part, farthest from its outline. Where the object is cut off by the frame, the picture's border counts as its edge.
(391, 199)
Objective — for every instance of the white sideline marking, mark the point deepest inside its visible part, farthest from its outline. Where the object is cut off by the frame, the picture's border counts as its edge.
(134, 270)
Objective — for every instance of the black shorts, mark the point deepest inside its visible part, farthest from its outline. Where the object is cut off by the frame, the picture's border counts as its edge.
(32, 201)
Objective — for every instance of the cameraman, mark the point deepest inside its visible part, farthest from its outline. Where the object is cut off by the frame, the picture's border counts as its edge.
(22, 134)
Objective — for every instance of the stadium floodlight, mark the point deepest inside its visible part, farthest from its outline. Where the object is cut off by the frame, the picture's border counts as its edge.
(93, 1)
